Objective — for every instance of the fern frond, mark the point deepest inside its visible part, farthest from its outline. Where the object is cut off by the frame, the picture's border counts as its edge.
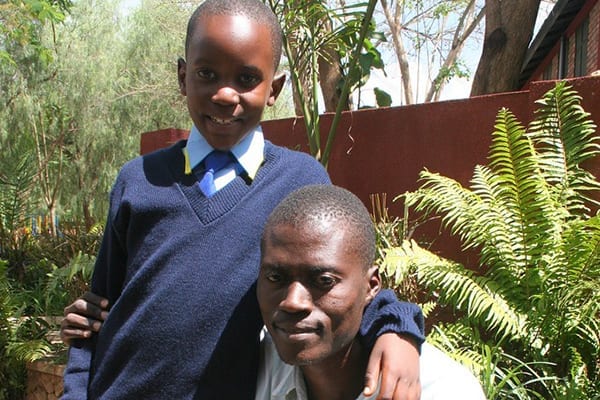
(30, 350)
(460, 287)
(524, 191)
(499, 232)
(441, 195)
(564, 137)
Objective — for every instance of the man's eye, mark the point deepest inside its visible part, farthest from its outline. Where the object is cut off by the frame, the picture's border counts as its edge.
(326, 281)
(206, 74)
(248, 80)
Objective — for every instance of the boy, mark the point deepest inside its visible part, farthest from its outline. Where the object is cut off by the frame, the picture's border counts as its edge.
(316, 278)
(183, 229)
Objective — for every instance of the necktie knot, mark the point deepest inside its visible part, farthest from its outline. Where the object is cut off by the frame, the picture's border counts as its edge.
(217, 160)
(214, 161)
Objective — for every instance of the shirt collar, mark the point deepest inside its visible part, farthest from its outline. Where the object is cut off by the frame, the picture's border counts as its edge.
(249, 152)
(296, 388)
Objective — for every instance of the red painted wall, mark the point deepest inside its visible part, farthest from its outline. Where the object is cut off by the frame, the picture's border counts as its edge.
(383, 150)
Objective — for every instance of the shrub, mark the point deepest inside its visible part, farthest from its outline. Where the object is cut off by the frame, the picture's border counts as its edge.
(536, 298)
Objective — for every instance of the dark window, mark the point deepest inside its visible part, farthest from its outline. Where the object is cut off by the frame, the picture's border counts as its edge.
(581, 40)
(547, 75)
(563, 58)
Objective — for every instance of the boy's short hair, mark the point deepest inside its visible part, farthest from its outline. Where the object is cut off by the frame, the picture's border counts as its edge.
(255, 10)
(317, 203)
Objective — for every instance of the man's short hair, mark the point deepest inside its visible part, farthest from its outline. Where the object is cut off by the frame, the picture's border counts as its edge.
(255, 10)
(314, 204)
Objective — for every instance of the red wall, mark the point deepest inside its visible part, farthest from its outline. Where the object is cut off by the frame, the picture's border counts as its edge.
(383, 150)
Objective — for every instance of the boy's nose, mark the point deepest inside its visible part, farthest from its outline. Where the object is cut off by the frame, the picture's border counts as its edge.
(297, 299)
(226, 95)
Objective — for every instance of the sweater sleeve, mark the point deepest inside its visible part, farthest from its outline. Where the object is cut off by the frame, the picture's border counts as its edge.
(111, 257)
(387, 314)
(77, 372)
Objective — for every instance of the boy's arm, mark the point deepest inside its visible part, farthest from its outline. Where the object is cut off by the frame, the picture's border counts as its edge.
(77, 372)
(106, 279)
(81, 350)
(393, 331)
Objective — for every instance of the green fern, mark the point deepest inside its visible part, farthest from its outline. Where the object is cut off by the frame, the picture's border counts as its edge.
(537, 295)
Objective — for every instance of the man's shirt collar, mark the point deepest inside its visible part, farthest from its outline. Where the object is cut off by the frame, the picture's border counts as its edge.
(249, 152)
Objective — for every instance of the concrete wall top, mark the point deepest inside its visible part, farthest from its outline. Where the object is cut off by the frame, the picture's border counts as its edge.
(383, 150)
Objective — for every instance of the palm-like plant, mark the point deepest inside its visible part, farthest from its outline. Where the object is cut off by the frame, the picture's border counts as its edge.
(537, 296)
(314, 33)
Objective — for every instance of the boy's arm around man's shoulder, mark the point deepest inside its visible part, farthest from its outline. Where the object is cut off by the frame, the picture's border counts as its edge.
(387, 314)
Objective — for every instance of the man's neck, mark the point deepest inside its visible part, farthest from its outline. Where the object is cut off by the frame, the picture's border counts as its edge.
(340, 377)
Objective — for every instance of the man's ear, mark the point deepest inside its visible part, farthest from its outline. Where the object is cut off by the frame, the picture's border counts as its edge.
(374, 283)
(181, 75)
(276, 87)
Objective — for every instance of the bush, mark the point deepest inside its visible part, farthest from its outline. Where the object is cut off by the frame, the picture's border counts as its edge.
(530, 317)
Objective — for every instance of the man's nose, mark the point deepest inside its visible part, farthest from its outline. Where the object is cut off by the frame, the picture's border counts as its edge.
(297, 299)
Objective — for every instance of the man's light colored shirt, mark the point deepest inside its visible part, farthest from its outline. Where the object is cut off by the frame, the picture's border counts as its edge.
(442, 378)
(249, 153)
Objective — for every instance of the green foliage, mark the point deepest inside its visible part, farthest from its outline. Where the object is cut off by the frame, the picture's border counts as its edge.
(20, 27)
(536, 295)
(55, 272)
(21, 339)
(382, 98)
(311, 30)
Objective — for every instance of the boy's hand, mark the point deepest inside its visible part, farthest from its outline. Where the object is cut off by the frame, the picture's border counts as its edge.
(83, 317)
(396, 358)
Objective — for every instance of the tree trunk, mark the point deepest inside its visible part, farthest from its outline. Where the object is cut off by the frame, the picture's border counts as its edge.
(508, 30)
(330, 77)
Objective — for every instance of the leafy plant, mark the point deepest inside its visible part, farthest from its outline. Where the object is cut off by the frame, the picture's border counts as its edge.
(311, 31)
(536, 292)
(22, 339)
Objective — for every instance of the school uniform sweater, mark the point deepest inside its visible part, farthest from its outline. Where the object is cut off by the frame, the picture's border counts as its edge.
(179, 270)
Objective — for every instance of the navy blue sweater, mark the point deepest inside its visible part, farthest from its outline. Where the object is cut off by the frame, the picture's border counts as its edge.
(179, 270)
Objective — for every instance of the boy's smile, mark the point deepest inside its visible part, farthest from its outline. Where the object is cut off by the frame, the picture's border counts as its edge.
(229, 77)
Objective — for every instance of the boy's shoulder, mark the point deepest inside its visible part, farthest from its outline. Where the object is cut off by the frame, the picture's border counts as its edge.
(289, 154)
(158, 162)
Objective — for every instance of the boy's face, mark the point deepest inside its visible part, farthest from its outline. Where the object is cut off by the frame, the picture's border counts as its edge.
(228, 77)
(312, 289)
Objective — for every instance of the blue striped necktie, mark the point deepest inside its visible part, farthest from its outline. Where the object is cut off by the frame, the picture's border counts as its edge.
(213, 162)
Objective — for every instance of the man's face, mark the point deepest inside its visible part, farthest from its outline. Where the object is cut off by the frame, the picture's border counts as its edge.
(228, 77)
(312, 290)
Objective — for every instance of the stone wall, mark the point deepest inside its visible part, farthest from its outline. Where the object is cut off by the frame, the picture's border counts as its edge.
(44, 381)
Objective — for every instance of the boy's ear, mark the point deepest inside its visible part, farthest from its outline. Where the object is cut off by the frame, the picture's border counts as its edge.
(181, 75)
(374, 283)
(276, 87)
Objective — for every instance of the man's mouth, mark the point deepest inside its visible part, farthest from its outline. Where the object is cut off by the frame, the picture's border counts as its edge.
(296, 331)
(221, 121)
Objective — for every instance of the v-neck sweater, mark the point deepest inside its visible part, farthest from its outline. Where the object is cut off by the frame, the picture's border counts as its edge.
(179, 270)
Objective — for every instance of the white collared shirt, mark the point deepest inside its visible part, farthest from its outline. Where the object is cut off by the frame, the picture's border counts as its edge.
(442, 378)
(249, 153)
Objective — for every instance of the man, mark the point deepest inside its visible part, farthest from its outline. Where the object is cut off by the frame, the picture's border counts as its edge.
(316, 279)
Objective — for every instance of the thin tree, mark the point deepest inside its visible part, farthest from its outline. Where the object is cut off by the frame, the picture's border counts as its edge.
(437, 28)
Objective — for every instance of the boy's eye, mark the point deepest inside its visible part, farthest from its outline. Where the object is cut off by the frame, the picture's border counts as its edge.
(206, 74)
(249, 80)
(273, 277)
